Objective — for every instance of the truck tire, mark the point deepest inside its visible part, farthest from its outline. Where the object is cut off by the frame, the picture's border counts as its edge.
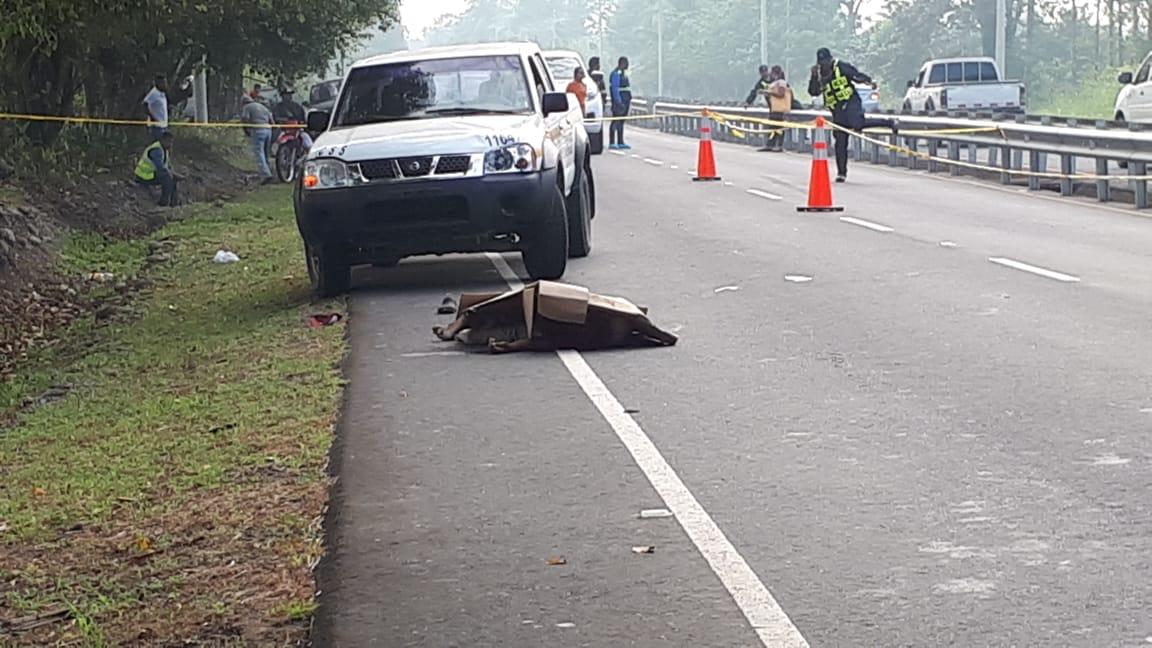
(579, 208)
(546, 251)
(328, 270)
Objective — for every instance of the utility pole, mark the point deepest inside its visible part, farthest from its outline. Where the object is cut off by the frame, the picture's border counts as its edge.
(660, 50)
(1001, 34)
(764, 32)
(200, 91)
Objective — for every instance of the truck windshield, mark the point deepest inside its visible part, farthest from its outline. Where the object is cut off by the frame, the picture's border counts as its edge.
(434, 88)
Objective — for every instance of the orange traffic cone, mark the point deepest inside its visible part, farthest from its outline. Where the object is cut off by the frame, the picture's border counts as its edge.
(706, 159)
(819, 184)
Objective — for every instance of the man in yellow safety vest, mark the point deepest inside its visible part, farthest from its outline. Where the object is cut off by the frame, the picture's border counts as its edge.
(155, 168)
(835, 81)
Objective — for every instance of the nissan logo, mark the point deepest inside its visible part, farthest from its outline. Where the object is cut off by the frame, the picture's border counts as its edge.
(414, 165)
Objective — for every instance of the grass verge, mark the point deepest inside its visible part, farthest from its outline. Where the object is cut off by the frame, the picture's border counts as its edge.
(172, 489)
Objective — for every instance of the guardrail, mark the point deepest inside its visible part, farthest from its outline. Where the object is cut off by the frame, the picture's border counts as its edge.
(999, 149)
(1019, 118)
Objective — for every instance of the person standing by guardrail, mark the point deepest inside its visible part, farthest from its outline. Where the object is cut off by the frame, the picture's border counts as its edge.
(780, 98)
(621, 88)
(835, 81)
(259, 130)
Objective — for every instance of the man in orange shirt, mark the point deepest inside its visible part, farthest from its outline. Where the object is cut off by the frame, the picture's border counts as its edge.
(577, 87)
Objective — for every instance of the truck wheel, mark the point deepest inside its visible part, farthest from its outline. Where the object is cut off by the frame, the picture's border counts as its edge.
(329, 271)
(579, 210)
(596, 142)
(546, 253)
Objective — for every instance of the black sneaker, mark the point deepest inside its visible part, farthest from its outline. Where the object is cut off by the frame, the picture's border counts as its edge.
(841, 178)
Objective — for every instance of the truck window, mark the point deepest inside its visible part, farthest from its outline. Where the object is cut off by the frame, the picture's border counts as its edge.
(538, 78)
(937, 75)
(988, 72)
(1142, 75)
(955, 72)
(972, 72)
(422, 89)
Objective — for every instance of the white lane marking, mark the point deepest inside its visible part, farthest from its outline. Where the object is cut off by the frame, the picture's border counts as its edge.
(653, 162)
(947, 244)
(763, 613)
(635, 156)
(674, 166)
(431, 354)
(729, 184)
(1043, 272)
(797, 278)
(617, 152)
(764, 194)
(863, 223)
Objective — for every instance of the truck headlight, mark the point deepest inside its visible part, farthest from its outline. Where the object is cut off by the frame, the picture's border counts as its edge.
(517, 158)
(326, 174)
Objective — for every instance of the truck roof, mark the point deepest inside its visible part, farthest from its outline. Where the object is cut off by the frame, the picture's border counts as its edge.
(962, 59)
(510, 48)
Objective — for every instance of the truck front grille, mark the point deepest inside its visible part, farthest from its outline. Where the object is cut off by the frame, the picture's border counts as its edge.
(415, 167)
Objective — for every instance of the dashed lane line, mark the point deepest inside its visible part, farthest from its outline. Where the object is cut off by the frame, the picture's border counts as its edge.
(877, 227)
(1036, 270)
(763, 194)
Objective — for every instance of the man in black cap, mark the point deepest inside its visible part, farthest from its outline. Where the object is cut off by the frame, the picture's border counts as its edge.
(836, 80)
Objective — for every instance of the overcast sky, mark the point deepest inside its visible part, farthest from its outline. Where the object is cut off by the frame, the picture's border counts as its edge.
(419, 15)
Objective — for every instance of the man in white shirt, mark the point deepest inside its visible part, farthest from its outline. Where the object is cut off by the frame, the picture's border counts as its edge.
(156, 104)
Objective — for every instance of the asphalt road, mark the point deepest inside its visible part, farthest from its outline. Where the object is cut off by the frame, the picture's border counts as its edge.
(927, 425)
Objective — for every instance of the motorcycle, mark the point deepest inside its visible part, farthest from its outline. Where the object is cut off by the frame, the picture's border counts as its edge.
(289, 151)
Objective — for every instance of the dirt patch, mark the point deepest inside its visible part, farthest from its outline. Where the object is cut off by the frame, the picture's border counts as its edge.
(38, 298)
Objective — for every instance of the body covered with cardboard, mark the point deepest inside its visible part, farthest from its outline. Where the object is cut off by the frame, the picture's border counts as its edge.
(548, 315)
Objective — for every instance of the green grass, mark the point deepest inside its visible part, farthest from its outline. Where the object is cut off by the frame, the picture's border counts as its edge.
(1092, 95)
(194, 428)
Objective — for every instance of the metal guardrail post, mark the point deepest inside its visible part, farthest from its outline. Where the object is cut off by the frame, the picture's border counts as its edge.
(954, 155)
(1034, 165)
(1103, 187)
(1067, 168)
(1140, 188)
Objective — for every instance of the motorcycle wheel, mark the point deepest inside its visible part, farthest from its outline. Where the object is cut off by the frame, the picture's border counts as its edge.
(286, 163)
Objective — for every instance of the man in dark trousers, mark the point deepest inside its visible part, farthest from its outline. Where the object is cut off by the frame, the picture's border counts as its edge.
(621, 90)
(835, 81)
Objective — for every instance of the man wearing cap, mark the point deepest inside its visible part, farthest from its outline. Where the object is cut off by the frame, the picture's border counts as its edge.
(835, 81)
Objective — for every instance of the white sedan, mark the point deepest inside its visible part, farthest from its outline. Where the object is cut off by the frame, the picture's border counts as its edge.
(563, 64)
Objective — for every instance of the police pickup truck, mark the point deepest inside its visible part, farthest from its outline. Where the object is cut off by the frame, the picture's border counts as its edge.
(446, 150)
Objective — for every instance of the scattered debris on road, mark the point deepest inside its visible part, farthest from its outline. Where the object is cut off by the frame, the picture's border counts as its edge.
(546, 315)
(447, 306)
(557, 561)
(324, 319)
(566, 624)
(644, 550)
(647, 514)
(224, 256)
(797, 278)
(726, 289)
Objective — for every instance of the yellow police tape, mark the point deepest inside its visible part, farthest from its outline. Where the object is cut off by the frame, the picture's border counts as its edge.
(132, 122)
(722, 119)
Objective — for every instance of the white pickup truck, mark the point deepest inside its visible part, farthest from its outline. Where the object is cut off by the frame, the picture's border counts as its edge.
(963, 84)
(446, 150)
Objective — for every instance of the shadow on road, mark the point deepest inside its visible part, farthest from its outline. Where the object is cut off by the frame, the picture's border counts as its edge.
(451, 273)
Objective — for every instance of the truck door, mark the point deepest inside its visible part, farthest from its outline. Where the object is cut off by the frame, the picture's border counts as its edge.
(560, 126)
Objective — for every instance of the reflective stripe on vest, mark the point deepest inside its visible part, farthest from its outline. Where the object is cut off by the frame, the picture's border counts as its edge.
(839, 89)
(145, 169)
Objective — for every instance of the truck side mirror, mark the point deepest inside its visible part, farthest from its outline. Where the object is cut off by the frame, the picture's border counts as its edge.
(1125, 78)
(555, 102)
(318, 120)
(911, 84)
